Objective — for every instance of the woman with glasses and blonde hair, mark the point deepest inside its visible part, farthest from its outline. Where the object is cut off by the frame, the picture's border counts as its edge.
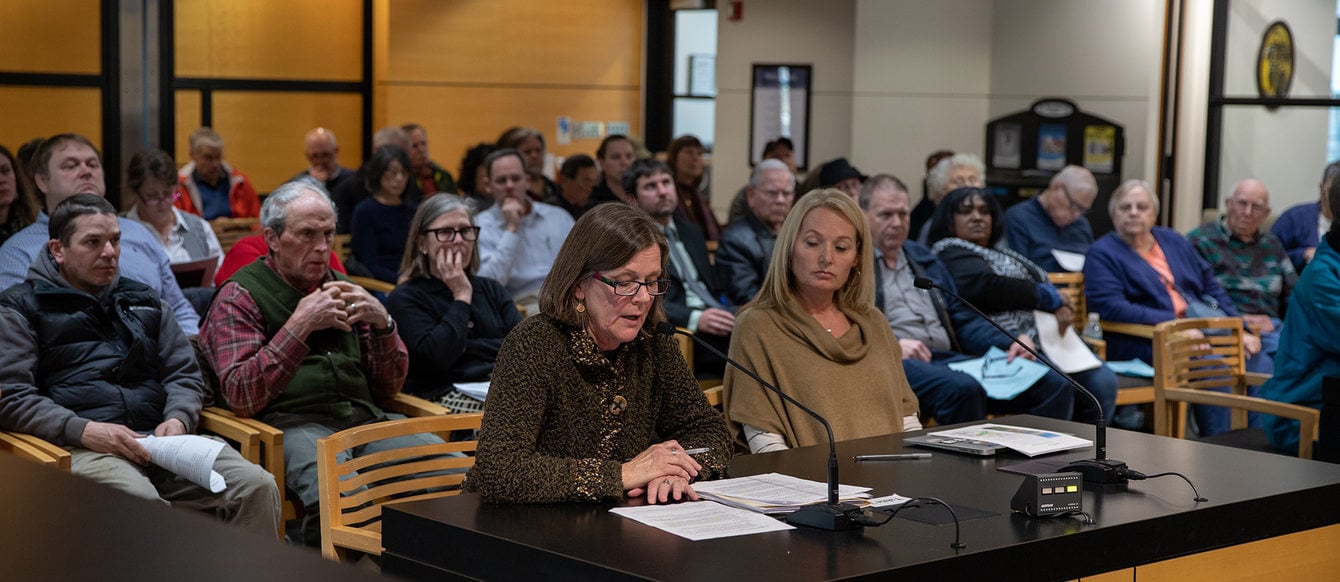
(587, 402)
(452, 320)
(814, 331)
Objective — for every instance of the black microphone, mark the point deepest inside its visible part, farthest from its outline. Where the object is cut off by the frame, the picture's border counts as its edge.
(832, 516)
(1099, 469)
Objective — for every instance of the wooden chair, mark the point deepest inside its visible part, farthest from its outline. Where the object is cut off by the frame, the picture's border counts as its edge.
(29, 447)
(1130, 390)
(1186, 367)
(344, 246)
(686, 350)
(231, 230)
(353, 492)
(372, 285)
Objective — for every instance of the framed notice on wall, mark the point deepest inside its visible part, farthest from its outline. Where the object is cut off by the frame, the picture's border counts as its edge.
(780, 107)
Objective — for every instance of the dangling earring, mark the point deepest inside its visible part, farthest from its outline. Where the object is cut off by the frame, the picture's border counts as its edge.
(581, 308)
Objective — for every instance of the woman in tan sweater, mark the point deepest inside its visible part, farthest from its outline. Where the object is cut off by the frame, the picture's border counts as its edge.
(814, 332)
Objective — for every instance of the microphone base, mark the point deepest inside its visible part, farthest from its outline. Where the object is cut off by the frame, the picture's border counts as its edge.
(826, 517)
(1106, 471)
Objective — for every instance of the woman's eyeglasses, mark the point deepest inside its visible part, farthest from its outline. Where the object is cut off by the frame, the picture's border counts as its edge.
(469, 233)
(629, 288)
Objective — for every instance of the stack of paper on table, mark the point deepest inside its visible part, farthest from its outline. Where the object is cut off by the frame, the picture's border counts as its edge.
(1029, 441)
(774, 493)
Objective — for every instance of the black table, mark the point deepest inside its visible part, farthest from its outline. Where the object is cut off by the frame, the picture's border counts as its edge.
(60, 527)
(1252, 496)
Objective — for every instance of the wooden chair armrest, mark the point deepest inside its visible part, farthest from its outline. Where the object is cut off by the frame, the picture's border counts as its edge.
(223, 423)
(1098, 346)
(1308, 418)
(32, 448)
(413, 406)
(372, 285)
(1255, 378)
(1132, 329)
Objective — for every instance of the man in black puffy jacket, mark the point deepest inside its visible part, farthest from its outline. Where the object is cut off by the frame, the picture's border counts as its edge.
(94, 362)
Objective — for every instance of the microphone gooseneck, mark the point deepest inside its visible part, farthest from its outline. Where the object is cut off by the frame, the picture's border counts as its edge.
(832, 516)
(1099, 469)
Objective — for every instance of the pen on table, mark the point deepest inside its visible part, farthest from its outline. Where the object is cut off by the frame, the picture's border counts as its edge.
(697, 451)
(893, 457)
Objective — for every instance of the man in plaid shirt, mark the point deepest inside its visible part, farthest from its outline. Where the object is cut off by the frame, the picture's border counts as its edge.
(302, 348)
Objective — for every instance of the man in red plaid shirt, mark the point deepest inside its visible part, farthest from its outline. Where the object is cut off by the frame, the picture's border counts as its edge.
(302, 348)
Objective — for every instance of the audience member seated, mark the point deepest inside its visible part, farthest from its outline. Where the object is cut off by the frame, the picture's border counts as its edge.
(778, 149)
(576, 180)
(301, 348)
(694, 299)
(381, 223)
(1146, 274)
(151, 179)
(530, 142)
(1249, 263)
(474, 184)
(247, 249)
(355, 190)
(685, 158)
(68, 164)
(615, 154)
(18, 207)
(837, 173)
(518, 237)
(956, 171)
(1301, 227)
(1054, 219)
(1308, 341)
(966, 227)
(746, 247)
(70, 381)
(930, 344)
(214, 188)
(588, 403)
(814, 332)
(323, 156)
(454, 320)
(430, 177)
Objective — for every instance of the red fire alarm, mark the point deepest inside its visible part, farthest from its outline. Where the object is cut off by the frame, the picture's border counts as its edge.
(736, 10)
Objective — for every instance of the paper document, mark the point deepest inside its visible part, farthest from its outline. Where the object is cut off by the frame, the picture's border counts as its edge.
(1069, 353)
(1029, 441)
(1001, 379)
(774, 493)
(888, 501)
(703, 520)
(1134, 368)
(1073, 262)
(476, 390)
(189, 456)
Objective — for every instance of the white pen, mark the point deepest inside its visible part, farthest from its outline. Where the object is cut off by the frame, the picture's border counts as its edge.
(893, 457)
(697, 451)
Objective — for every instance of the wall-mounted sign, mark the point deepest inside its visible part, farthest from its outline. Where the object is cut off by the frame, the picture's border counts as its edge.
(1274, 62)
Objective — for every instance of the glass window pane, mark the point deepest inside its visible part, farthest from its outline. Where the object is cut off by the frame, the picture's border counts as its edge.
(696, 116)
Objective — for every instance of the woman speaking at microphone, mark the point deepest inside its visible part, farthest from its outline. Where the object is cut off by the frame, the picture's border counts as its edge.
(814, 332)
(586, 403)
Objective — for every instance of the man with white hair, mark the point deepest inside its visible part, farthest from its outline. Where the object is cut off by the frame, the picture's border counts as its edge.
(746, 246)
(1054, 219)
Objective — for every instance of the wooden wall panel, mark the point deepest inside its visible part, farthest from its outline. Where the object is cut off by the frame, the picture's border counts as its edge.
(263, 131)
(1308, 555)
(187, 120)
(575, 42)
(310, 40)
(45, 111)
(457, 118)
(51, 36)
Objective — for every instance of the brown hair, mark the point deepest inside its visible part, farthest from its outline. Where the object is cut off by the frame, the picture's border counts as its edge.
(25, 203)
(604, 239)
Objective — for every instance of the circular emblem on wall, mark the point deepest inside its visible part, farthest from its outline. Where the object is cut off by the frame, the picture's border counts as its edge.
(1274, 63)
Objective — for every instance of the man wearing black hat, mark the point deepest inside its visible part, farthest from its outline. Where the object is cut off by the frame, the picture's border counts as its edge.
(840, 174)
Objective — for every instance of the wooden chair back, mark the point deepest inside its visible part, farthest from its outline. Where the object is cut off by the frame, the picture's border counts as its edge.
(344, 246)
(1187, 368)
(353, 492)
(231, 230)
(1071, 285)
(29, 447)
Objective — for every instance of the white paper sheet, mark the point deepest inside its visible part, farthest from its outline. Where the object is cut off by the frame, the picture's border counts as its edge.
(1069, 353)
(702, 520)
(189, 456)
(774, 493)
(477, 390)
(1029, 441)
(1073, 262)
